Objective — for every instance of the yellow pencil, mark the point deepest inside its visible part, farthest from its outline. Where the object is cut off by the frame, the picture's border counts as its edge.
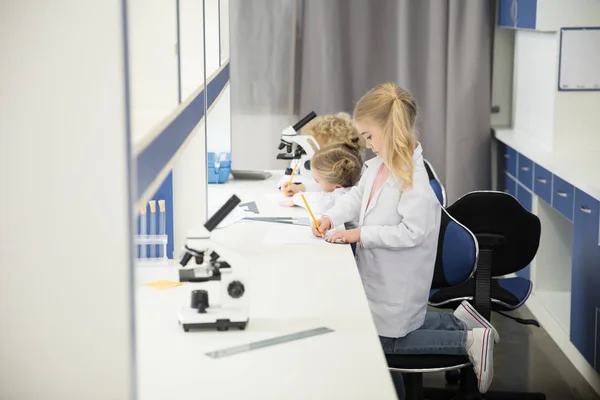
(292, 176)
(311, 214)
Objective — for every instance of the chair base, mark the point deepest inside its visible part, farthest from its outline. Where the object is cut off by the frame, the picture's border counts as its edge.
(451, 394)
(414, 390)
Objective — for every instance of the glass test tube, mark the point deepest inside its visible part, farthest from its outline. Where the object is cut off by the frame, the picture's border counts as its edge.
(143, 230)
(162, 226)
(152, 204)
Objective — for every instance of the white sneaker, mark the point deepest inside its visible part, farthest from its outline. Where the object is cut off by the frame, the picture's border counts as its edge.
(467, 314)
(481, 354)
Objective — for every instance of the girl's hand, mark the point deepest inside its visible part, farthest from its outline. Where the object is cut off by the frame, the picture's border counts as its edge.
(350, 236)
(287, 203)
(290, 190)
(324, 226)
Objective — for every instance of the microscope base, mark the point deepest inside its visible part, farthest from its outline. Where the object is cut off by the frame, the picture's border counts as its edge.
(214, 318)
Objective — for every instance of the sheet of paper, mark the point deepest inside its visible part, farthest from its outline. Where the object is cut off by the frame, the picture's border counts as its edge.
(279, 234)
(237, 214)
(162, 285)
(276, 198)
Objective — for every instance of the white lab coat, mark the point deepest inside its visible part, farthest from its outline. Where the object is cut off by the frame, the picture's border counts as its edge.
(320, 202)
(399, 236)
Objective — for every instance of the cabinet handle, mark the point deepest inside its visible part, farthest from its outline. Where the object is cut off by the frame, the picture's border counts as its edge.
(585, 210)
(542, 181)
(513, 12)
(562, 194)
(525, 168)
(507, 156)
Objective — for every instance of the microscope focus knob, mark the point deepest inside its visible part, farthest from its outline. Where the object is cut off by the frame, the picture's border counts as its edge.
(236, 289)
(200, 300)
(214, 256)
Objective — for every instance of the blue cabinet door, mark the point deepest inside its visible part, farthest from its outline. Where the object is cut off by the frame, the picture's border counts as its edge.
(510, 160)
(506, 13)
(510, 185)
(525, 198)
(526, 14)
(525, 171)
(585, 278)
(542, 183)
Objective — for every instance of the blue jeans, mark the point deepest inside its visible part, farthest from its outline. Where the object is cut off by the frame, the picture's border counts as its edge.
(441, 333)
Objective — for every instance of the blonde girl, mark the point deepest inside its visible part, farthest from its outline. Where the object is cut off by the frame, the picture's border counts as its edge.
(327, 129)
(398, 225)
(335, 169)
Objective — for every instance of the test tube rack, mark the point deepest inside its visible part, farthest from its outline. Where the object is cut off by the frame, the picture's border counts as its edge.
(152, 246)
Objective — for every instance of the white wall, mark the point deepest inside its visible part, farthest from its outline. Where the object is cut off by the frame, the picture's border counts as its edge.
(189, 173)
(153, 62)
(66, 223)
(219, 124)
(224, 30)
(191, 46)
(502, 75)
(212, 41)
(219, 114)
(535, 85)
(559, 121)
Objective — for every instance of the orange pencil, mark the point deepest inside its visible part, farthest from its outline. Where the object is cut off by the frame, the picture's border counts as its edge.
(311, 213)
(292, 176)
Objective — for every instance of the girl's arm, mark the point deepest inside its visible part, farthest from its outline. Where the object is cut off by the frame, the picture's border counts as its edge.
(417, 210)
(319, 202)
(311, 186)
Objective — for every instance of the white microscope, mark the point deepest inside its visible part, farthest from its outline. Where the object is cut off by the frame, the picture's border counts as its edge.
(231, 311)
(299, 149)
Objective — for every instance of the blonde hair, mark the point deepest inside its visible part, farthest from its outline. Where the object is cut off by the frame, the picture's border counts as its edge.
(334, 128)
(395, 111)
(339, 164)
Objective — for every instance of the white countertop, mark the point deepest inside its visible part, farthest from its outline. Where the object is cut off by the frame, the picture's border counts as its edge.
(580, 170)
(291, 288)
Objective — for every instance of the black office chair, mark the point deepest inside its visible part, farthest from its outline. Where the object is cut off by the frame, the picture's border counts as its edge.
(436, 184)
(455, 263)
(508, 237)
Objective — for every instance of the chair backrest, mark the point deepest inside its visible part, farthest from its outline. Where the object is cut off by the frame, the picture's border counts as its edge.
(457, 253)
(498, 214)
(435, 183)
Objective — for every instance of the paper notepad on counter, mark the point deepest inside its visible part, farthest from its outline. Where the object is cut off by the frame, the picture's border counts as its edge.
(276, 198)
(294, 234)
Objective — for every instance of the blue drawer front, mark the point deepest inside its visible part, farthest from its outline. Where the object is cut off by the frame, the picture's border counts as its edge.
(585, 278)
(562, 197)
(542, 183)
(526, 14)
(510, 161)
(510, 185)
(525, 198)
(525, 172)
(597, 345)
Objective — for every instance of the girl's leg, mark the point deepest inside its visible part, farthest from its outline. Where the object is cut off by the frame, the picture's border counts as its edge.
(430, 341)
(445, 321)
(477, 344)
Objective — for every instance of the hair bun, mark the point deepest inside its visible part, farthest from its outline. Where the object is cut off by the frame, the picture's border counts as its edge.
(344, 165)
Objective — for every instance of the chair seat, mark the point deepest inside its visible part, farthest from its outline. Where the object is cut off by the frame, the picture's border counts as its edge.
(507, 294)
(425, 362)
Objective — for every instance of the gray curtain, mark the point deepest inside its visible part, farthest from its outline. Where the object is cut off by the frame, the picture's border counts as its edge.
(439, 50)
